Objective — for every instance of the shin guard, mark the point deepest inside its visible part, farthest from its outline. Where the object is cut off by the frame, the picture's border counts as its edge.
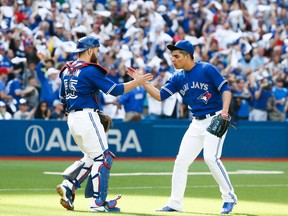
(77, 173)
(97, 185)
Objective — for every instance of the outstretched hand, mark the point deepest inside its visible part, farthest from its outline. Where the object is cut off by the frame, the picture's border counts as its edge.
(134, 72)
(138, 75)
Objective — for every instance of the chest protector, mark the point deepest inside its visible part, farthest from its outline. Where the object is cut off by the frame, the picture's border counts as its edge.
(72, 66)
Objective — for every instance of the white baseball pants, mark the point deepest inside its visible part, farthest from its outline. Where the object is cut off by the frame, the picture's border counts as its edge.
(88, 132)
(195, 139)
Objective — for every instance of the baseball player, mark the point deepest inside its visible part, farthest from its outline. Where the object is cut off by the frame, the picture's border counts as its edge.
(205, 90)
(81, 83)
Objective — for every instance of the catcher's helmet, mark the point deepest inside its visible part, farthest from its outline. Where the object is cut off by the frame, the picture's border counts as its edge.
(86, 43)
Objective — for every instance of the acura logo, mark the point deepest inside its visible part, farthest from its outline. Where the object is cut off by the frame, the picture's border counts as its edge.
(35, 138)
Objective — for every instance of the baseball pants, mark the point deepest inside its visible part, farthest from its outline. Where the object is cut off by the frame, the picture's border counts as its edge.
(88, 132)
(195, 139)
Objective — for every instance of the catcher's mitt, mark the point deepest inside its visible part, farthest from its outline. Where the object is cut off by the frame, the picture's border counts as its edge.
(219, 125)
(105, 120)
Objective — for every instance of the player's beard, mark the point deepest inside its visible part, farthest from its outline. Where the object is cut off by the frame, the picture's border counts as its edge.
(94, 59)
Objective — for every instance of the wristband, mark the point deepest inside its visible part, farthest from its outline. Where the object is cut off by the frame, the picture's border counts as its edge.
(226, 115)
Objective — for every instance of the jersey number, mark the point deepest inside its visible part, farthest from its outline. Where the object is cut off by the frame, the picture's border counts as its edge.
(70, 88)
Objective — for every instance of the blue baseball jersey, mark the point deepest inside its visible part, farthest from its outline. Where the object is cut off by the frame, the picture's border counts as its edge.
(201, 88)
(11, 88)
(47, 93)
(280, 94)
(261, 102)
(2, 85)
(81, 83)
(133, 100)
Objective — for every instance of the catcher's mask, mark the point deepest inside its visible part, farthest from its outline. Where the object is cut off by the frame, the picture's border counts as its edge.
(86, 43)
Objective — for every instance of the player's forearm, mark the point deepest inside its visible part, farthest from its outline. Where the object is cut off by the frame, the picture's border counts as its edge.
(153, 91)
(226, 98)
(128, 86)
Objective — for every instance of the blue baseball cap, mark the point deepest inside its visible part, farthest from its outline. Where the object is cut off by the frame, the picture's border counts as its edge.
(182, 45)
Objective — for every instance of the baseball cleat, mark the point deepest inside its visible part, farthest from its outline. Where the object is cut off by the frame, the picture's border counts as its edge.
(67, 196)
(97, 205)
(167, 209)
(227, 207)
(113, 202)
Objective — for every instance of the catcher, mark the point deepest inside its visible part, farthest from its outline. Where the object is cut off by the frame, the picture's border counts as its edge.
(81, 82)
(207, 94)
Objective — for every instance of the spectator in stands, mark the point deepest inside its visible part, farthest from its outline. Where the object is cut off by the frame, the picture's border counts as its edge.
(3, 77)
(30, 70)
(50, 84)
(31, 93)
(278, 101)
(274, 67)
(58, 112)
(133, 103)
(14, 89)
(5, 61)
(245, 61)
(63, 52)
(259, 60)
(4, 115)
(239, 108)
(112, 108)
(22, 113)
(42, 111)
(261, 96)
(12, 68)
(17, 46)
(114, 74)
(60, 31)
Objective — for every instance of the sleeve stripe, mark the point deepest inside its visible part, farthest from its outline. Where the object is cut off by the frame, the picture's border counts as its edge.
(220, 86)
(166, 89)
(111, 89)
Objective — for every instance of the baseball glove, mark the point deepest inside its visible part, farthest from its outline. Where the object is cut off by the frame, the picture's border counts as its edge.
(219, 125)
(105, 120)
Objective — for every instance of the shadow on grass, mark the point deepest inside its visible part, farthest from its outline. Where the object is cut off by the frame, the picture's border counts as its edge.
(118, 213)
(169, 213)
(236, 214)
(115, 213)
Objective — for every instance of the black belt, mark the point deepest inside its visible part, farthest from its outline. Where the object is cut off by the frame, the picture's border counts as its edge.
(204, 116)
(76, 110)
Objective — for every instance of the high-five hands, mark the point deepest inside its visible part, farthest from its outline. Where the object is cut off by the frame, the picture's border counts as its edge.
(138, 74)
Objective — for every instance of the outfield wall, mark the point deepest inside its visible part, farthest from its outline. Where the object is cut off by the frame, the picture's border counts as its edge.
(148, 138)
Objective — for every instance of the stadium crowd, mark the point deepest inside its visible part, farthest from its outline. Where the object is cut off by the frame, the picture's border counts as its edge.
(246, 39)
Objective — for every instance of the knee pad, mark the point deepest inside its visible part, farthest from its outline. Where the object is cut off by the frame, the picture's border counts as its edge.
(77, 173)
(97, 185)
(108, 159)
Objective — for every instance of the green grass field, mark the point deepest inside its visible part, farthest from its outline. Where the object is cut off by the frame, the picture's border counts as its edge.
(25, 190)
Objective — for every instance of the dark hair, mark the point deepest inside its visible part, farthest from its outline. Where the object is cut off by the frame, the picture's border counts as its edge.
(31, 61)
(38, 113)
(31, 77)
(80, 34)
(279, 79)
(50, 60)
